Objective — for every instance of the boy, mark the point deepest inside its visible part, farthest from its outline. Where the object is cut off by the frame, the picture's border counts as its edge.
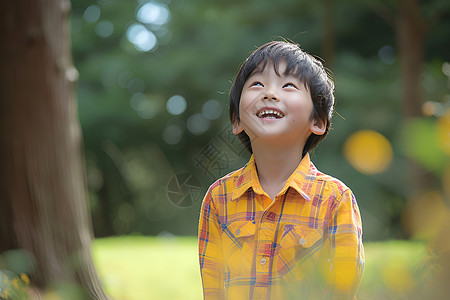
(278, 228)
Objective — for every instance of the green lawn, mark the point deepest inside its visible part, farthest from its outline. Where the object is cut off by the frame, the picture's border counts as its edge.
(136, 268)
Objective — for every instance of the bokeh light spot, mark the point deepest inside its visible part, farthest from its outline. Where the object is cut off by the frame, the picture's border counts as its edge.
(124, 79)
(432, 108)
(446, 69)
(197, 124)
(145, 108)
(172, 134)
(153, 13)
(92, 14)
(368, 152)
(104, 29)
(143, 39)
(176, 105)
(136, 85)
(211, 109)
(387, 55)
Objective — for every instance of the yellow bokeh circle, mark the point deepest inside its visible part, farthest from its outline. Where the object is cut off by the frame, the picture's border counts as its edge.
(368, 152)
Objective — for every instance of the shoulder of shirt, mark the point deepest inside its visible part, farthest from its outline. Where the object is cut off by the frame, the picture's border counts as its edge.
(330, 181)
(232, 176)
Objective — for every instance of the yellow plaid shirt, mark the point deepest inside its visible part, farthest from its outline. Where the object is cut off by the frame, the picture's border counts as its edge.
(306, 244)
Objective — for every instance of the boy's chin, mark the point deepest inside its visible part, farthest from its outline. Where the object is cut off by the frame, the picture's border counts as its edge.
(273, 139)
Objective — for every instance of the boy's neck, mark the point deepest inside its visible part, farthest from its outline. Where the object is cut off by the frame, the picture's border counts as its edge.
(275, 165)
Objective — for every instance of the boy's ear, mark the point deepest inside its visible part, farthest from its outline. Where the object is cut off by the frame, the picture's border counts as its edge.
(237, 127)
(318, 126)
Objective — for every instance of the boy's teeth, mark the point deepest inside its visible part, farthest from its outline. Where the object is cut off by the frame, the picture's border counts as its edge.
(270, 113)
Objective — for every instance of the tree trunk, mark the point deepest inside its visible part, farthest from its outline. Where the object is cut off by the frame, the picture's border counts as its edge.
(42, 186)
(411, 31)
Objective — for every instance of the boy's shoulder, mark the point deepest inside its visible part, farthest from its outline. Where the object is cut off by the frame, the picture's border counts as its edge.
(329, 181)
(228, 182)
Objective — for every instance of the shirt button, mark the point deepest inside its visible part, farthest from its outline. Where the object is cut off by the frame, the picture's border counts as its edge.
(237, 232)
(263, 261)
(302, 241)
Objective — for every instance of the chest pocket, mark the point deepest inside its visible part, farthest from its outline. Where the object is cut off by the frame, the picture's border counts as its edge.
(299, 252)
(238, 246)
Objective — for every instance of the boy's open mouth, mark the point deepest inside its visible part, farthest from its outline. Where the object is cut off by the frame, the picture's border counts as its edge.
(269, 114)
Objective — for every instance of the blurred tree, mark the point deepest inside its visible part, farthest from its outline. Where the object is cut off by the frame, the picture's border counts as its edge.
(412, 21)
(134, 145)
(411, 29)
(43, 196)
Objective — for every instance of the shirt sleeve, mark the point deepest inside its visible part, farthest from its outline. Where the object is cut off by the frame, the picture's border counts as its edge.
(210, 251)
(343, 262)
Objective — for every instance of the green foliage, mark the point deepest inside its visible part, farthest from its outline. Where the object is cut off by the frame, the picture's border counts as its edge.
(122, 95)
(421, 143)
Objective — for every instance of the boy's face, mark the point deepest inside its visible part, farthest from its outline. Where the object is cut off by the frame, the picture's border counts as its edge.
(276, 108)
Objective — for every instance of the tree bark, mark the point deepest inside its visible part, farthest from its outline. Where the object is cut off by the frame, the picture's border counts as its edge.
(42, 183)
(411, 30)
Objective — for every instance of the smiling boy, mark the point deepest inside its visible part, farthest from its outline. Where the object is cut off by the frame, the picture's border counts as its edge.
(278, 228)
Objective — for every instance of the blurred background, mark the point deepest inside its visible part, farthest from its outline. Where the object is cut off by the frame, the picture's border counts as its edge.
(153, 92)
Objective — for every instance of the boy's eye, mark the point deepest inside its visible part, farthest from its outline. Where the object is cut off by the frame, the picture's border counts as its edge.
(256, 83)
(291, 85)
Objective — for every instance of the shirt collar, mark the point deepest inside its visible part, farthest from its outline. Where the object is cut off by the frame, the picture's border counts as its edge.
(248, 178)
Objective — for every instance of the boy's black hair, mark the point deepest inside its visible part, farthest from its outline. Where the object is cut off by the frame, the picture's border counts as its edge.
(304, 66)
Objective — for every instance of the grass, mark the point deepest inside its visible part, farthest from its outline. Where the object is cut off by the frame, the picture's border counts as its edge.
(135, 268)
(392, 269)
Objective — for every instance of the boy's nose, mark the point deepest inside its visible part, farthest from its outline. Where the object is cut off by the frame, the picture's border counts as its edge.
(270, 95)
